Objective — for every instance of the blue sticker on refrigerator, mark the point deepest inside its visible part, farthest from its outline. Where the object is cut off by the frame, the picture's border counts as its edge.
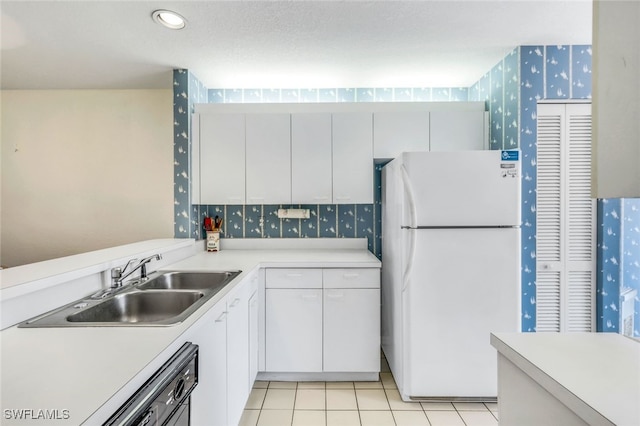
(509, 163)
(510, 155)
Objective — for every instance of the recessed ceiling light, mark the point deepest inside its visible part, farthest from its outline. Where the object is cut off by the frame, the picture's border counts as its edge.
(169, 19)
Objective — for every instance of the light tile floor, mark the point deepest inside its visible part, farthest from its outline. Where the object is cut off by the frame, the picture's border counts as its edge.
(356, 404)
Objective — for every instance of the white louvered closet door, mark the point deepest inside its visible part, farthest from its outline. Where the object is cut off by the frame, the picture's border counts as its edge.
(565, 238)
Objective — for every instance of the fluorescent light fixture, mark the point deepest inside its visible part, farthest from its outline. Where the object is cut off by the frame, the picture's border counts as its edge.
(169, 19)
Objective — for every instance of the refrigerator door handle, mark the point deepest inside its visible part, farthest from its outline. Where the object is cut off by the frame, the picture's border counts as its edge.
(411, 254)
(411, 205)
(408, 189)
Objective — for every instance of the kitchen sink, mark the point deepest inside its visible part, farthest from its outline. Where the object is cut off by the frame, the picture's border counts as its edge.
(213, 281)
(136, 307)
(166, 298)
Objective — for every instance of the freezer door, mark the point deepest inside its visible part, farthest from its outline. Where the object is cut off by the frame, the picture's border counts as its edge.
(467, 188)
(462, 284)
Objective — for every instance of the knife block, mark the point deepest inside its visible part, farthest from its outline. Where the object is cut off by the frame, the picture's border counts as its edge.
(213, 240)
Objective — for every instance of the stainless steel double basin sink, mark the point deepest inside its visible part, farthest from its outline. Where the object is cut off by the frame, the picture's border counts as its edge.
(166, 298)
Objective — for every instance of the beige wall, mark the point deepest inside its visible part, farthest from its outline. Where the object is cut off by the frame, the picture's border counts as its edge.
(84, 170)
(616, 99)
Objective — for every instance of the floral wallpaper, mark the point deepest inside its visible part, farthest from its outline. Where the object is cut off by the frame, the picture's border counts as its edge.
(630, 256)
(187, 91)
(326, 221)
(618, 265)
(422, 94)
(512, 89)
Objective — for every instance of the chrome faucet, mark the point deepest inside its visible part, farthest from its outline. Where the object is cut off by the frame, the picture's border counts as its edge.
(117, 276)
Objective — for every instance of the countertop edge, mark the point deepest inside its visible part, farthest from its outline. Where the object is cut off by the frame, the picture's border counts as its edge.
(576, 404)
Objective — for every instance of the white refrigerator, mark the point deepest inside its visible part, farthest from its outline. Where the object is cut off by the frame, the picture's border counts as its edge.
(450, 269)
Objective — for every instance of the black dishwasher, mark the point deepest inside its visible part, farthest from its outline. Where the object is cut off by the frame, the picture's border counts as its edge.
(164, 399)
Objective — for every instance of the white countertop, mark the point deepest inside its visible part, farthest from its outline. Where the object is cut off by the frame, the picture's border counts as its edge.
(594, 374)
(79, 369)
(21, 279)
(285, 258)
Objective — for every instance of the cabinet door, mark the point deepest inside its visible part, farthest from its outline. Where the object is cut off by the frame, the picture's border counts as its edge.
(238, 354)
(352, 158)
(311, 158)
(253, 338)
(351, 330)
(457, 130)
(209, 402)
(222, 159)
(397, 132)
(268, 158)
(294, 330)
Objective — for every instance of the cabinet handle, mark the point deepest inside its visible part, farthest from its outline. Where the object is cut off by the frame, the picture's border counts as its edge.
(256, 198)
(320, 198)
(343, 198)
(351, 275)
(335, 295)
(238, 199)
(222, 317)
(309, 296)
(234, 303)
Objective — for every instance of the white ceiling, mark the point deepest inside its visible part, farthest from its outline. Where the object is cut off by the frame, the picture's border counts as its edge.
(277, 44)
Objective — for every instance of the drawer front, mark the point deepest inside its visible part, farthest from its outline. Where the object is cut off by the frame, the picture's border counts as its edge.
(352, 278)
(293, 278)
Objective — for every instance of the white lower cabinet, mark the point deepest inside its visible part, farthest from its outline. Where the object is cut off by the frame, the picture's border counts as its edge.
(351, 333)
(294, 330)
(332, 328)
(237, 354)
(254, 350)
(226, 339)
(209, 399)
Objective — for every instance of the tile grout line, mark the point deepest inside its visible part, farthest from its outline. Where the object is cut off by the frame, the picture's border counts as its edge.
(355, 395)
(492, 413)
(326, 410)
(295, 396)
(384, 391)
(458, 413)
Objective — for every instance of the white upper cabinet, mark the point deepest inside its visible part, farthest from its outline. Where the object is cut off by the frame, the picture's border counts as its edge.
(400, 131)
(352, 158)
(268, 158)
(317, 153)
(457, 131)
(311, 158)
(222, 153)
